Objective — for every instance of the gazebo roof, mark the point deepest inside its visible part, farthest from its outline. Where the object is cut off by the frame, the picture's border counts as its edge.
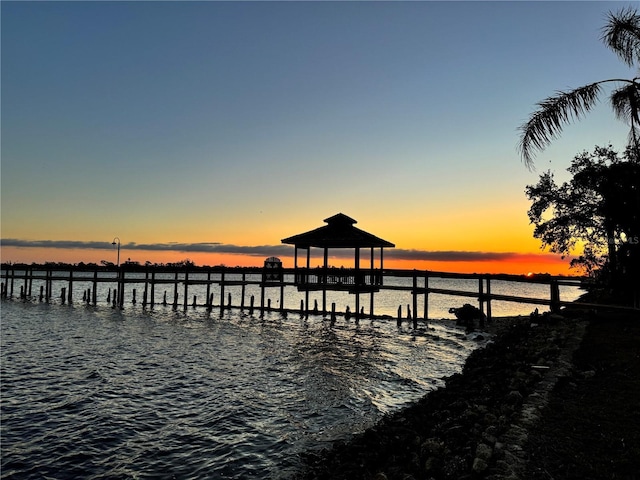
(338, 233)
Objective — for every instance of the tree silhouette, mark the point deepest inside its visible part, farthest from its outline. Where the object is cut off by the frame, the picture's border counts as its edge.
(622, 35)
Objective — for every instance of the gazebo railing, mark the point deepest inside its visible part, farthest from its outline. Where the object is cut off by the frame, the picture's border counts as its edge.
(338, 276)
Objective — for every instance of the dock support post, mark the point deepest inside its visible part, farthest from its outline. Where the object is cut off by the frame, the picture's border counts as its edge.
(333, 312)
(146, 289)
(95, 287)
(251, 305)
(282, 297)
(242, 292)
(133, 300)
(13, 273)
(415, 294)
(208, 290)
(153, 288)
(222, 292)
(481, 294)
(426, 297)
(186, 289)
(70, 295)
(63, 295)
(555, 296)
(399, 321)
(488, 299)
(262, 297)
(175, 290)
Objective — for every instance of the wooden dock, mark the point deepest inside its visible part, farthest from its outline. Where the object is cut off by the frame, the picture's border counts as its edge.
(36, 282)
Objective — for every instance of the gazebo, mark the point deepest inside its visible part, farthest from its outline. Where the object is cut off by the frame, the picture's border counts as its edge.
(339, 233)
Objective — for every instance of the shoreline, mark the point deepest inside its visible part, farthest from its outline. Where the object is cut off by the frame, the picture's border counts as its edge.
(478, 425)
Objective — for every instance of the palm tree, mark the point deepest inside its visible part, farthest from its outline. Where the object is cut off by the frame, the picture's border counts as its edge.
(622, 35)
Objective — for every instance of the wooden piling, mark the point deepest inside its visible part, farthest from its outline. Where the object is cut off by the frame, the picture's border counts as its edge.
(95, 287)
(207, 295)
(555, 297)
(153, 288)
(222, 291)
(133, 300)
(146, 288)
(282, 298)
(186, 288)
(415, 293)
(242, 292)
(63, 295)
(251, 305)
(70, 295)
(426, 297)
(488, 299)
(175, 291)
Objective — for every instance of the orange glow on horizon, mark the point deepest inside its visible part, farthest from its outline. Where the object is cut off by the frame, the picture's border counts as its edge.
(520, 264)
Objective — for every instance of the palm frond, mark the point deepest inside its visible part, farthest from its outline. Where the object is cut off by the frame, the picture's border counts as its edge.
(553, 113)
(626, 103)
(626, 106)
(622, 34)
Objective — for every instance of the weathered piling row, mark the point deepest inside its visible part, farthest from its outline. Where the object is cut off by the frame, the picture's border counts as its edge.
(224, 278)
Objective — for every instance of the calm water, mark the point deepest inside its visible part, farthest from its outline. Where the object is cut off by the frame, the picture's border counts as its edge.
(95, 392)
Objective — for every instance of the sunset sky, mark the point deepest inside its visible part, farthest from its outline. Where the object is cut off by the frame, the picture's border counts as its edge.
(212, 130)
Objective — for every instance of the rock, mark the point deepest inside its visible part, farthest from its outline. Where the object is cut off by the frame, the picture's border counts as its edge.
(431, 447)
(380, 476)
(479, 465)
(484, 451)
(430, 464)
(514, 397)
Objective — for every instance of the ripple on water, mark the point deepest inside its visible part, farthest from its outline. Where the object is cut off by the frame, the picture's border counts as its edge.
(104, 393)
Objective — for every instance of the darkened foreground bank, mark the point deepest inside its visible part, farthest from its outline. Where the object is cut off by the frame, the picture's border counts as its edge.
(552, 399)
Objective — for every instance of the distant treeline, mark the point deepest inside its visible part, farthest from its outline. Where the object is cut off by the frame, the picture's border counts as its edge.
(128, 265)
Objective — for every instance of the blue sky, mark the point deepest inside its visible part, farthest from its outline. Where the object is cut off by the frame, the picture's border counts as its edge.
(242, 123)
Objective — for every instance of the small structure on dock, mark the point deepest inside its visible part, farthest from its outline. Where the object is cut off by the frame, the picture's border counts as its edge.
(272, 270)
(339, 233)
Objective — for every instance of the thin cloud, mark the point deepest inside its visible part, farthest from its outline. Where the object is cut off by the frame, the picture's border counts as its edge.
(266, 250)
(449, 255)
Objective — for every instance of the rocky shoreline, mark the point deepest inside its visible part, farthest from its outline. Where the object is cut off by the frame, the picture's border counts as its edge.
(474, 427)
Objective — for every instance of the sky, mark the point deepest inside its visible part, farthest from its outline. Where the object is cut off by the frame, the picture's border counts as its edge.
(210, 131)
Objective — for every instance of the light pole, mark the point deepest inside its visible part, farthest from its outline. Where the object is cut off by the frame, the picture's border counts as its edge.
(114, 243)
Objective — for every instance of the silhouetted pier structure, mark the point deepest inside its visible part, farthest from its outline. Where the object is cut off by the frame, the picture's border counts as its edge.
(339, 233)
(237, 288)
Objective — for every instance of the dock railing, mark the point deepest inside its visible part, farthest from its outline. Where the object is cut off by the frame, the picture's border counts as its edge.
(36, 282)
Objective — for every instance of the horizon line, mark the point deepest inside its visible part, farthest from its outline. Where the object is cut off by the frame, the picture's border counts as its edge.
(270, 250)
